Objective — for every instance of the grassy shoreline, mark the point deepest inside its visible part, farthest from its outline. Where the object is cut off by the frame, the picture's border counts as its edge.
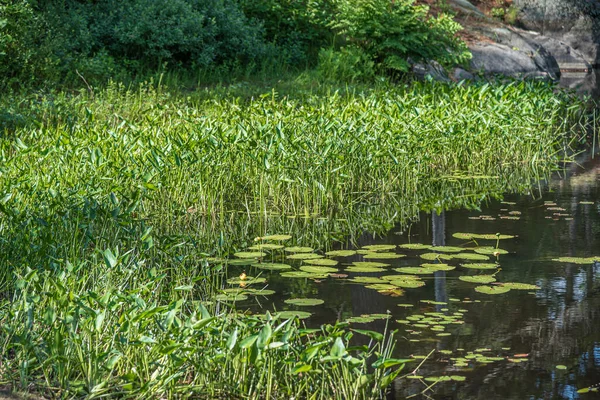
(113, 200)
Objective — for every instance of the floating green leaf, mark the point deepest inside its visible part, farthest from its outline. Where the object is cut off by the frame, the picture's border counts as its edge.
(231, 297)
(341, 253)
(414, 270)
(294, 314)
(485, 279)
(317, 269)
(276, 238)
(446, 249)
(490, 251)
(304, 256)
(249, 280)
(381, 286)
(520, 286)
(321, 262)
(366, 279)
(492, 289)
(272, 266)
(479, 236)
(304, 302)
(408, 284)
(371, 264)
(303, 274)
(298, 249)
(414, 246)
(383, 256)
(436, 256)
(471, 256)
(480, 265)
(250, 254)
(439, 267)
(266, 246)
(561, 367)
(379, 247)
(355, 268)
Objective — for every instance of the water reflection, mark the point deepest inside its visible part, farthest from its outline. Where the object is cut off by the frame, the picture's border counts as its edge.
(557, 325)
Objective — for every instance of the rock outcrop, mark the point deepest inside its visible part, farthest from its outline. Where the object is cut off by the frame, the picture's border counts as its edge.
(575, 23)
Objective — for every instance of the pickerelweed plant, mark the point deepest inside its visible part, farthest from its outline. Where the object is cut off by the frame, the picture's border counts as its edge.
(115, 204)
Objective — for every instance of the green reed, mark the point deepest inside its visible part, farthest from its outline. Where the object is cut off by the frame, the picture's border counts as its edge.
(112, 200)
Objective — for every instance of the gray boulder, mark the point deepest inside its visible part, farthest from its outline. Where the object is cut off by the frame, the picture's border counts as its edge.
(496, 58)
(431, 70)
(573, 22)
(513, 53)
(465, 7)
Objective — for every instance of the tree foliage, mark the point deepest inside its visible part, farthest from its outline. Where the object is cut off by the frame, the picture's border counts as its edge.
(53, 39)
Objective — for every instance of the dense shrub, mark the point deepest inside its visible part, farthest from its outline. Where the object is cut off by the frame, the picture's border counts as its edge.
(393, 31)
(21, 52)
(56, 40)
(300, 28)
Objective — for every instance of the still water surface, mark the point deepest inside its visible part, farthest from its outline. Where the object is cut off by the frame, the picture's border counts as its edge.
(522, 335)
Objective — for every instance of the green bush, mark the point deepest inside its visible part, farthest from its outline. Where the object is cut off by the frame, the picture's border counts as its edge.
(21, 49)
(394, 31)
(181, 32)
(299, 28)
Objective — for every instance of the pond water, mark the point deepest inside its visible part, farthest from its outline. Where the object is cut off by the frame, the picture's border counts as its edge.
(537, 343)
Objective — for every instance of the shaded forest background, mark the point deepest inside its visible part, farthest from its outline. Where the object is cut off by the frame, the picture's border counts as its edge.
(61, 41)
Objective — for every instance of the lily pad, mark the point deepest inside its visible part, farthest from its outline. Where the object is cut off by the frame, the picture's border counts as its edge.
(303, 274)
(321, 261)
(480, 265)
(317, 269)
(248, 280)
(439, 267)
(272, 266)
(414, 246)
(436, 256)
(356, 268)
(304, 256)
(294, 314)
(242, 262)
(479, 236)
(446, 249)
(414, 270)
(485, 279)
(360, 320)
(266, 246)
(304, 302)
(231, 297)
(379, 247)
(408, 284)
(492, 289)
(520, 286)
(405, 305)
(490, 251)
(561, 367)
(341, 253)
(366, 279)
(382, 256)
(298, 249)
(471, 256)
(276, 238)
(372, 264)
(381, 286)
(250, 254)
(260, 292)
